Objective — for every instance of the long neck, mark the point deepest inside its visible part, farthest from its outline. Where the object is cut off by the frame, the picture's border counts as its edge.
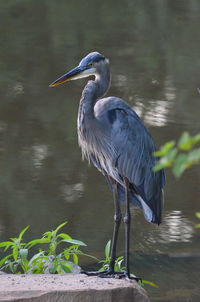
(87, 122)
(103, 82)
(94, 90)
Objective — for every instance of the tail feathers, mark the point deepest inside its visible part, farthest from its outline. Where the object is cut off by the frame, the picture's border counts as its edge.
(153, 215)
(159, 206)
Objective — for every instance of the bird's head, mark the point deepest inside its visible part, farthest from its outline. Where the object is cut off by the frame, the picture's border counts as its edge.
(91, 65)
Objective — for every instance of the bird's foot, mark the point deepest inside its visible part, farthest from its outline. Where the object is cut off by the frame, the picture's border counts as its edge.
(90, 274)
(104, 274)
(112, 274)
(128, 276)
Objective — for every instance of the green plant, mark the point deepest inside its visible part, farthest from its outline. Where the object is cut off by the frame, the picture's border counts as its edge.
(119, 265)
(47, 260)
(198, 216)
(179, 155)
(105, 262)
(19, 253)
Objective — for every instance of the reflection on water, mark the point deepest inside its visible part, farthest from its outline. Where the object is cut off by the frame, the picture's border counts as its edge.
(16, 89)
(155, 113)
(169, 90)
(72, 192)
(120, 81)
(177, 228)
(40, 152)
(153, 47)
(3, 126)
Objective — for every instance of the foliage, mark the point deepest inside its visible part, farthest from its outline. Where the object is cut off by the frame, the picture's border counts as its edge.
(180, 156)
(105, 263)
(119, 267)
(47, 260)
(198, 216)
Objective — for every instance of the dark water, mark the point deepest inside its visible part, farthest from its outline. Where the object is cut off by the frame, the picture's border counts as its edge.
(154, 50)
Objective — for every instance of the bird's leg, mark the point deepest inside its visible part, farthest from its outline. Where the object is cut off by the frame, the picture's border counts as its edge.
(127, 221)
(110, 273)
(117, 221)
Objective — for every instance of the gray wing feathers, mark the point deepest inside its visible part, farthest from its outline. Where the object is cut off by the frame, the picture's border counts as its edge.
(135, 148)
(128, 152)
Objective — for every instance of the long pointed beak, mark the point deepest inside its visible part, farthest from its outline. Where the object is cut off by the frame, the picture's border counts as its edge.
(71, 75)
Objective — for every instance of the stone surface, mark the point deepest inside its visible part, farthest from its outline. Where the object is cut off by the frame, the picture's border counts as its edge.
(69, 288)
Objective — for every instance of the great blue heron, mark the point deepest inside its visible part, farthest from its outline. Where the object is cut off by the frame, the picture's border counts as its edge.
(113, 137)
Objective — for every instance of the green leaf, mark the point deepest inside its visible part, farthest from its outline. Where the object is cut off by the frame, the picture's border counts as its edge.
(180, 164)
(185, 142)
(103, 268)
(6, 244)
(48, 235)
(67, 255)
(75, 258)
(184, 161)
(118, 265)
(22, 232)
(197, 214)
(194, 156)
(166, 161)
(36, 256)
(164, 150)
(23, 253)
(197, 226)
(107, 249)
(119, 262)
(37, 241)
(64, 236)
(120, 258)
(3, 260)
(67, 268)
(74, 241)
(196, 138)
(60, 226)
(149, 283)
(14, 239)
(15, 252)
(12, 266)
(71, 247)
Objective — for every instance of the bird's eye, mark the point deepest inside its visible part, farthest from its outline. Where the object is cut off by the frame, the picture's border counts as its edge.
(90, 64)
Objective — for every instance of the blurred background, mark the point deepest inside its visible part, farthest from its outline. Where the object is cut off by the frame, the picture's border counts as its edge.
(153, 47)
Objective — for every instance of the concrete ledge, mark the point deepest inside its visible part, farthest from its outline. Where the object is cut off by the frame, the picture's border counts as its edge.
(68, 288)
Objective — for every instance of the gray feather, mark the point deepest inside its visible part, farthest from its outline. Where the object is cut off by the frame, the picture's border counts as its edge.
(123, 147)
(115, 140)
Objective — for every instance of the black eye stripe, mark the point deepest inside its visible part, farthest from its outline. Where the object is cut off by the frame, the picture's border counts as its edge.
(92, 58)
(89, 65)
(97, 61)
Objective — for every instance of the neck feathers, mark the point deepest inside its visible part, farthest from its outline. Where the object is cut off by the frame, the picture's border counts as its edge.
(95, 89)
(91, 93)
(87, 122)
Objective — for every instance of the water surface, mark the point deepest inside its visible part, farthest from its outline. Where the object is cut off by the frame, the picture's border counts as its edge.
(153, 47)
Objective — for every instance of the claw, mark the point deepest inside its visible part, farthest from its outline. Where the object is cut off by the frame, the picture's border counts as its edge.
(103, 274)
(111, 274)
(95, 273)
(128, 277)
